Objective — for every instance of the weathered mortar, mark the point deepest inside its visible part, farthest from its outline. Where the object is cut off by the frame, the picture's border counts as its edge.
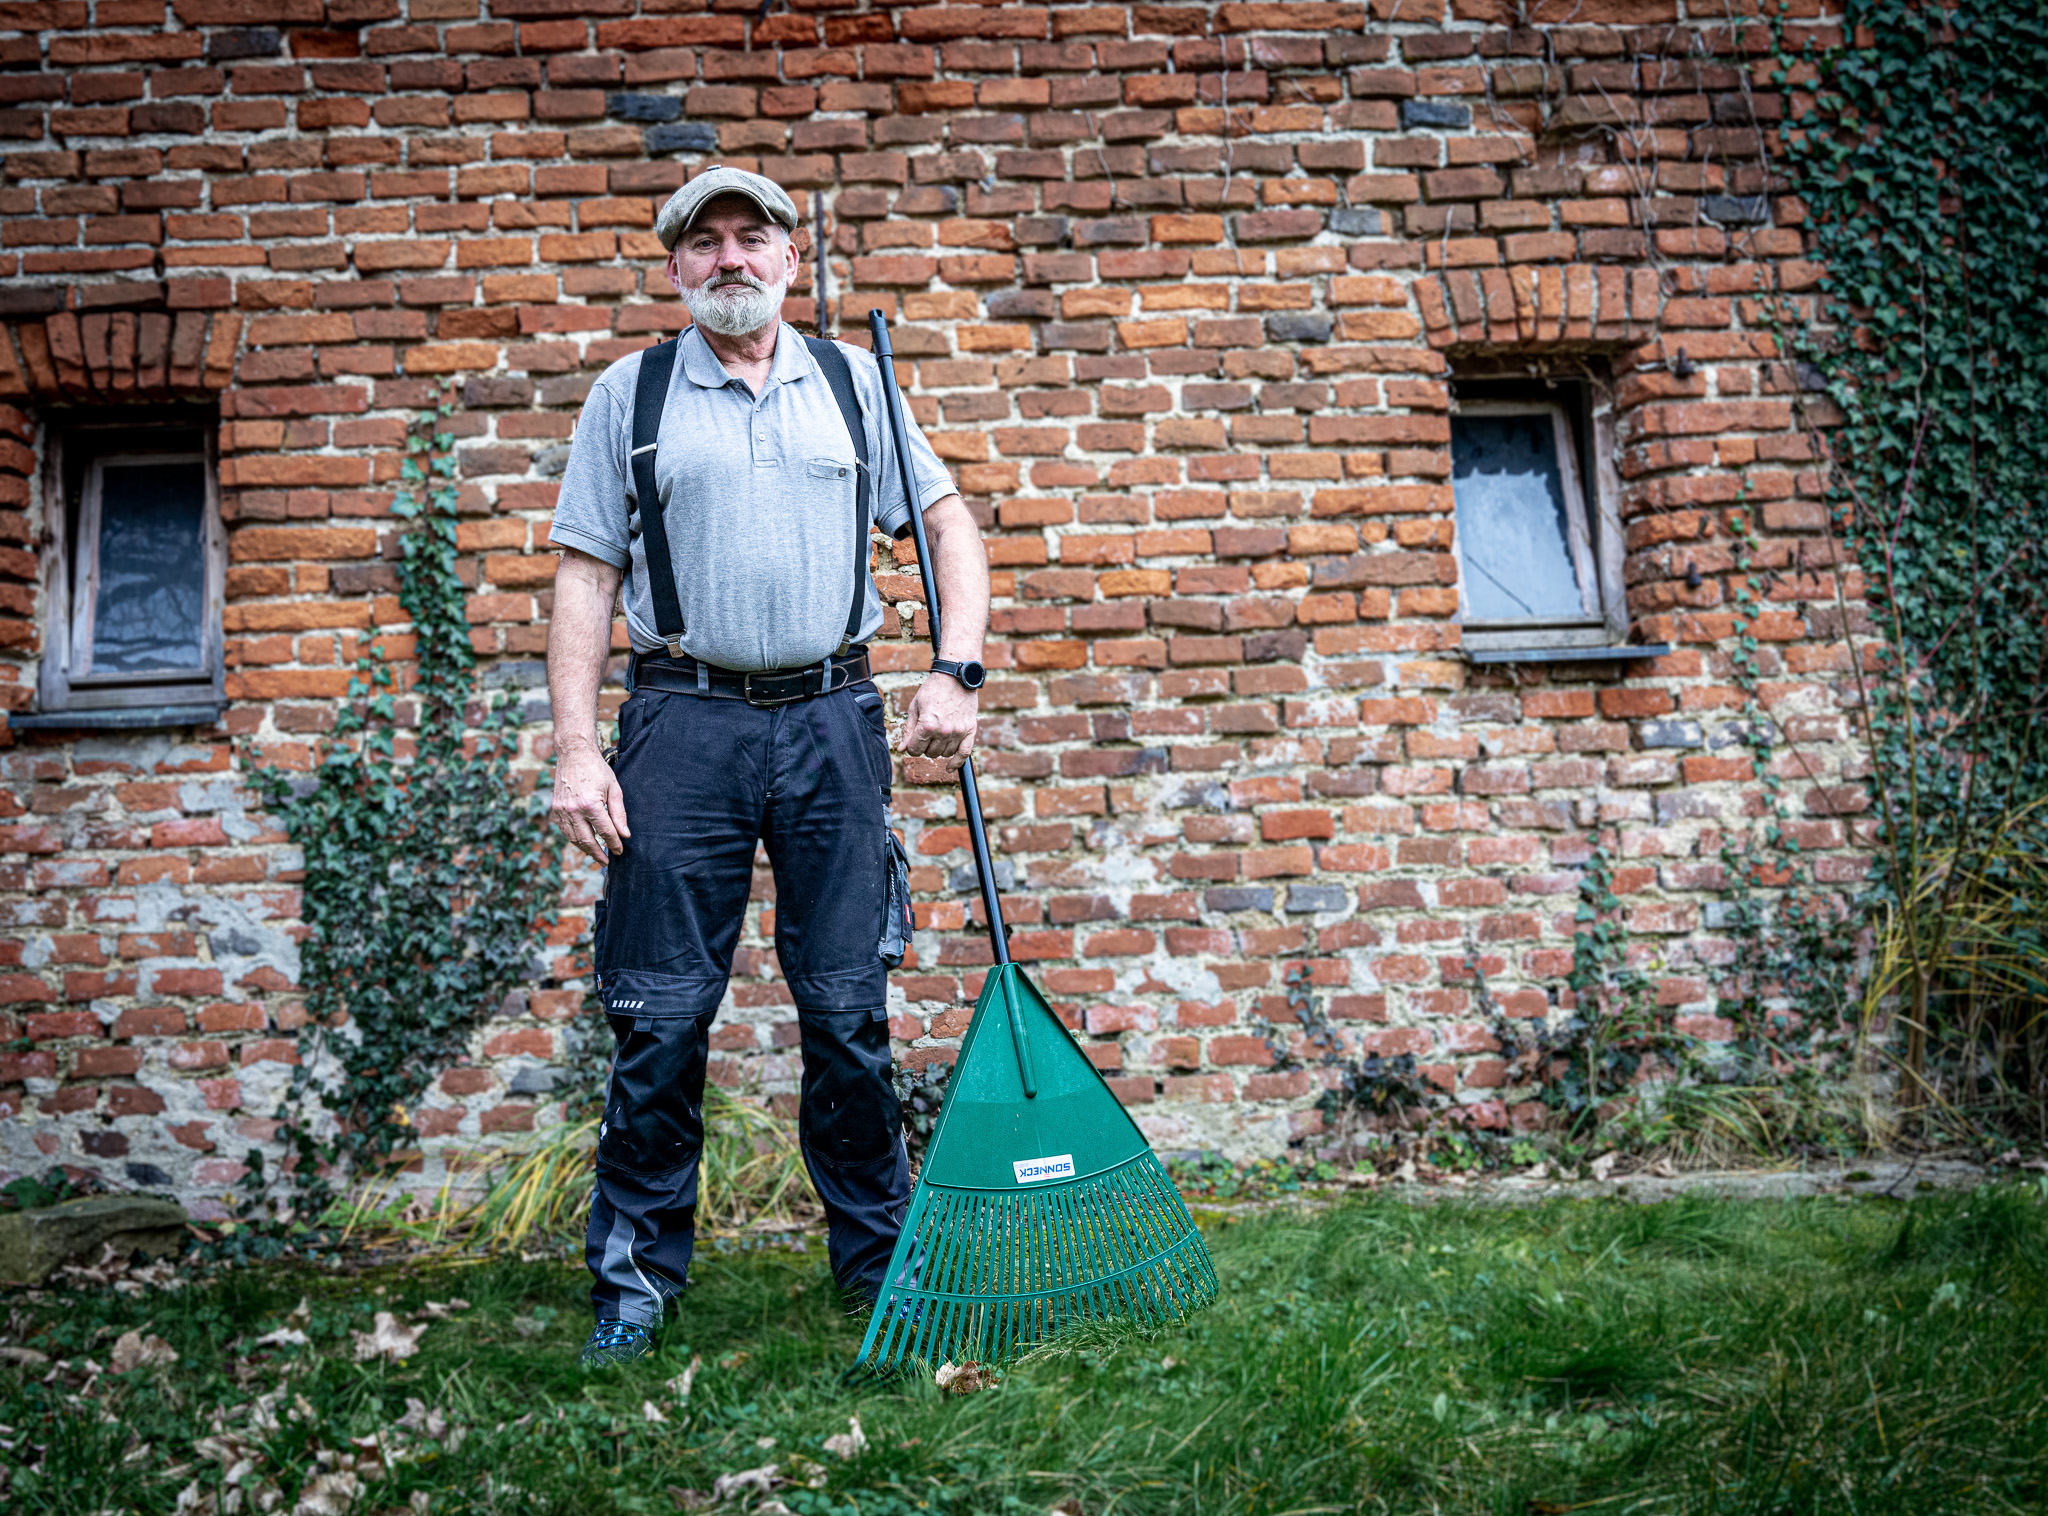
(1193, 384)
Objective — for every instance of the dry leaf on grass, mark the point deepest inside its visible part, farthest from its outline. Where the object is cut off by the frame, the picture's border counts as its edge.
(329, 1495)
(437, 1310)
(746, 1482)
(679, 1387)
(1602, 1166)
(965, 1378)
(387, 1339)
(651, 1414)
(850, 1443)
(132, 1350)
(1664, 1168)
(284, 1337)
(28, 1358)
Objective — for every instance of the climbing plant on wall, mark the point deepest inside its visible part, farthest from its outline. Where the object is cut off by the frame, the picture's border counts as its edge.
(429, 875)
(1919, 148)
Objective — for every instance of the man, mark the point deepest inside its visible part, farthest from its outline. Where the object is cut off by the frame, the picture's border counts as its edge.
(752, 720)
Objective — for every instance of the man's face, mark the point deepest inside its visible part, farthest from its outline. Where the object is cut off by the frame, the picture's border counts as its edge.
(732, 267)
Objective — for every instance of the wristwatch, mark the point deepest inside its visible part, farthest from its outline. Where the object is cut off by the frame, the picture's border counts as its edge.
(973, 675)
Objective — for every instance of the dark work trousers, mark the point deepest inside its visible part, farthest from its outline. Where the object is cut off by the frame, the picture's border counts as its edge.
(704, 780)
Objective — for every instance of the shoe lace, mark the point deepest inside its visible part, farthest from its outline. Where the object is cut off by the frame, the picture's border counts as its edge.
(616, 1334)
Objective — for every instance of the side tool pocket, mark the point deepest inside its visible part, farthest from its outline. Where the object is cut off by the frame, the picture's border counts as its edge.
(896, 908)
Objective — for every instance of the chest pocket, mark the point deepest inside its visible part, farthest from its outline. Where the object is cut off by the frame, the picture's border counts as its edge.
(829, 468)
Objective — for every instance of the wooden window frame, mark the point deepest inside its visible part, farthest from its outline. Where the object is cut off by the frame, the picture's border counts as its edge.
(66, 686)
(1591, 487)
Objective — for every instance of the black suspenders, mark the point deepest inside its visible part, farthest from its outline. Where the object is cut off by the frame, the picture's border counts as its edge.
(657, 365)
(649, 394)
(839, 374)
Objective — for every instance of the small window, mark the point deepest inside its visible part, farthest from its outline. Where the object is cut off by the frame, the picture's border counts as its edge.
(133, 556)
(1539, 541)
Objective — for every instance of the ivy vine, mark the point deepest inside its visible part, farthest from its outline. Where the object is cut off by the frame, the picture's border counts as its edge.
(430, 878)
(1916, 149)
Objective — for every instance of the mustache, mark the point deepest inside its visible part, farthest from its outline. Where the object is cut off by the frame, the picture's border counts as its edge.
(736, 279)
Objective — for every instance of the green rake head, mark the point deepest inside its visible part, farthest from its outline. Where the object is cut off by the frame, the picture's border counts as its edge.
(1040, 1203)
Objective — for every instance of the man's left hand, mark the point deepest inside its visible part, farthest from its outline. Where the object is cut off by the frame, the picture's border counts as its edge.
(943, 715)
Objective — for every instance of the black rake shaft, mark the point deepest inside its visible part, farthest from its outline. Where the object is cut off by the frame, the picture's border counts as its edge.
(899, 436)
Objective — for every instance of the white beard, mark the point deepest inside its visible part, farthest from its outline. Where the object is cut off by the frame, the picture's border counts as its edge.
(734, 310)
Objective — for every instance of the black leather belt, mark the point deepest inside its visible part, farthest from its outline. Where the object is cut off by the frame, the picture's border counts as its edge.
(762, 688)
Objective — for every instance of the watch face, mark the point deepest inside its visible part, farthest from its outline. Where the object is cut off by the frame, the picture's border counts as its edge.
(973, 675)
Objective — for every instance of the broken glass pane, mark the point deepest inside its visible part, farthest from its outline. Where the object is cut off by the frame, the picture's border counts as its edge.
(1514, 539)
(149, 614)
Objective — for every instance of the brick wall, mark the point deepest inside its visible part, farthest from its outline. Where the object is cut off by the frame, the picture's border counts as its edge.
(1178, 290)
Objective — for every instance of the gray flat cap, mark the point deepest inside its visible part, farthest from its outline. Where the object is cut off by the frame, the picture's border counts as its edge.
(687, 203)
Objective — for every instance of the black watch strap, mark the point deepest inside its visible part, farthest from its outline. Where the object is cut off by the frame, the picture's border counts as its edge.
(961, 671)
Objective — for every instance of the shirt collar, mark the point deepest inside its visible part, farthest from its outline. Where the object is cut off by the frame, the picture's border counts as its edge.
(792, 359)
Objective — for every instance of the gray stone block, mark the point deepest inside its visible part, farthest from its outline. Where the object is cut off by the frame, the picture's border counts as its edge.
(1238, 898)
(1742, 733)
(1688, 805)
(518, 673)
(35, 1244)
(249, 42)
(1305, 898)
(1355, 221)
(963, 880)
(1670, 734)
(1416, 113)
(683, 137)
(1298, 326)
(1736, 210)
(644, 107)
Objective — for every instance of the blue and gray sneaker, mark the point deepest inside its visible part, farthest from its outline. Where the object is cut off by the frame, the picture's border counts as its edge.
(613, 1342)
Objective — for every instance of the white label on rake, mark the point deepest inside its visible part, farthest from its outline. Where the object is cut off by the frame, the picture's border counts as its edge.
(1038, 1170)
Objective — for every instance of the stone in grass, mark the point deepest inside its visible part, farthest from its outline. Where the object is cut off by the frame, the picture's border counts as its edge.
(34, 1244)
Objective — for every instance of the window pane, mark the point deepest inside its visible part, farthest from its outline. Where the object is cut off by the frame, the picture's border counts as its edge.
(1513, 540)
(152, 589)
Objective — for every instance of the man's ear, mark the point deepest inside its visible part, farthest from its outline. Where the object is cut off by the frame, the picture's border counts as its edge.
(675, 272)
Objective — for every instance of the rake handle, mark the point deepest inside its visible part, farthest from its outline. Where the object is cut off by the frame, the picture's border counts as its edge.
(984, 867)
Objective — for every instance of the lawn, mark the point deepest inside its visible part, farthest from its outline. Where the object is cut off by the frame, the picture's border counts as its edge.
(1832, 1355)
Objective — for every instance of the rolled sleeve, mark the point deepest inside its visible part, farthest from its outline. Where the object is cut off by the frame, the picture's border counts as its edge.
(591, 511)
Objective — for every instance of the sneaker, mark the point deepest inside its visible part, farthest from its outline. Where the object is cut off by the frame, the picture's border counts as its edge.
(616, 1342)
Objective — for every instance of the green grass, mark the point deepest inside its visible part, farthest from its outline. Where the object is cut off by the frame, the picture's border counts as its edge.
(1857, 1356)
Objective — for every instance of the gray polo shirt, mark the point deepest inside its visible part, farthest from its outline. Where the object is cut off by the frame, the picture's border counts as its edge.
(758, 494)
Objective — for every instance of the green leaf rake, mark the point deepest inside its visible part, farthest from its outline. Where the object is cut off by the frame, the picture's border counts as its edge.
(1040, 1203)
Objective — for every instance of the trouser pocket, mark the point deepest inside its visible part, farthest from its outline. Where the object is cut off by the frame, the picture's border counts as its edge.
(896, 920)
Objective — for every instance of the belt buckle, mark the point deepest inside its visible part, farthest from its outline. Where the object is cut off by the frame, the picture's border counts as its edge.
(747, 691)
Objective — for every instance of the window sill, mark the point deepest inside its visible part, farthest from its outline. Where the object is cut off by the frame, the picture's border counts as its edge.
(1616, 654)
(118, 718)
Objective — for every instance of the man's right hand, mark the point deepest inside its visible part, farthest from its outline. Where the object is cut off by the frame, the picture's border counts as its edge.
(590, 808)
